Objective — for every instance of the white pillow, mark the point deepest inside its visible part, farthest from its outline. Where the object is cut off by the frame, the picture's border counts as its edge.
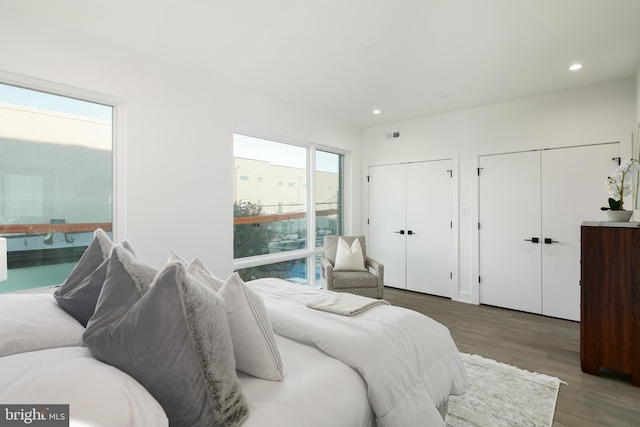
(208, 279)
(97, 394)
(30, 322)
(349, 258)
(254, 345)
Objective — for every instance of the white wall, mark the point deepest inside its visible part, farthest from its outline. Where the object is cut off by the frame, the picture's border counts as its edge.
(637, 103)
(179, 128)
(604, 112)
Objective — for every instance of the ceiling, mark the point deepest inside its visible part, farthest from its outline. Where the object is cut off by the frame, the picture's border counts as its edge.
(345, 58)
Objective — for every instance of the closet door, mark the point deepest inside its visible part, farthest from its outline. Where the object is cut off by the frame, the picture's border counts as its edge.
(509, 216)
(429, 227)
(387, 220)
(572, 192)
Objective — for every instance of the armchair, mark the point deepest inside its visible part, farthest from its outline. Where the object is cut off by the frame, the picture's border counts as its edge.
(363, 283)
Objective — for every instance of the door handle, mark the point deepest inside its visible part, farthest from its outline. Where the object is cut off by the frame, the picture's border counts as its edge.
(410, 232)
(548, 241)
(533, 239)
(399, 232)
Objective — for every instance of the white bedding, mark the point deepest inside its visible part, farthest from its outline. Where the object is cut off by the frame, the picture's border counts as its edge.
(323, 385)
(409, 361)
(318, 391)
(97, 394)
(30, 322)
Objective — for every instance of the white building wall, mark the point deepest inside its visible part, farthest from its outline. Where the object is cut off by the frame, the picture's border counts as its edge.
(599, 113)
(179, 135)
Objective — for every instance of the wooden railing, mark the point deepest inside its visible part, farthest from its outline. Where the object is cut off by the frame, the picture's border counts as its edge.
(107, 226)
(280, 217)
(53, 228)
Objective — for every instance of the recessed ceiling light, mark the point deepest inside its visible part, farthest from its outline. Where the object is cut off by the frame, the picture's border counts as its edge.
(376, 111)
(575, 67)
(372, 45)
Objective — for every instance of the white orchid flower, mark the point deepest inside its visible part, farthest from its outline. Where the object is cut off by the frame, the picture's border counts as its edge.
(620, 183)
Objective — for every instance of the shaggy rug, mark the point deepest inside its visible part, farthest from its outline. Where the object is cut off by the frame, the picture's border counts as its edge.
(503, 395)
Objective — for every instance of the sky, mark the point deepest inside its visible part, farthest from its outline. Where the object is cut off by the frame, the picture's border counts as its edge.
(46, 101)
(281, 154)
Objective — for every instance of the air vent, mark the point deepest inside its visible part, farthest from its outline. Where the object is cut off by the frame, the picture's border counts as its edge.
(393, 135)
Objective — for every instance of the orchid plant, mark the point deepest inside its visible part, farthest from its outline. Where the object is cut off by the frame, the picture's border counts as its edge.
(620, 184)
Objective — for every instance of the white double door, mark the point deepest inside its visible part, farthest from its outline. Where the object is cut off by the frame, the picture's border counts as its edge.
(531, 206)
(410, 225)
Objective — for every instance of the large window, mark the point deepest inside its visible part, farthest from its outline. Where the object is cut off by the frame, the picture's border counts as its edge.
(328, 198)
(56, 174)
(286, 199)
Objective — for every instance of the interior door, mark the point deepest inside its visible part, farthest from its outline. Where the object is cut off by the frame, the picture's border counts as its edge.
(509, 216)
(429, 227)
(572, 192)
(387, 221)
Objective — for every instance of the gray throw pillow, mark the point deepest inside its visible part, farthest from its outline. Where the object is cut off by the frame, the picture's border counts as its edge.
(173, 338)
(127, 279)
(191, 266)
(79, 293)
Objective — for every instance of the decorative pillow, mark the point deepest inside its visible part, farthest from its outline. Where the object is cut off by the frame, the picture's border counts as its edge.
(174, 340)
(32, 322)
(349, 258)
(79, 292)
(124, 271)
(254, 345)
(209, 279)
(191, 266)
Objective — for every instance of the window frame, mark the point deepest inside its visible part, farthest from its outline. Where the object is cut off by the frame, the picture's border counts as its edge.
(118, 148)
(311, 251)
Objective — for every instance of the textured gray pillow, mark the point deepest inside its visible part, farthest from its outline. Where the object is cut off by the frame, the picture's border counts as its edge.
(191, 266)
(79, 293)
(173, 339)
(127, 279)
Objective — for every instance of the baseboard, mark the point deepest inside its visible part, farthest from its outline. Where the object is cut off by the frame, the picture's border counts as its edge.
(466, 297)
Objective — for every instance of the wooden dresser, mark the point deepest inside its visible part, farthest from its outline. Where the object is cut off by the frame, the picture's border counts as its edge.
(610, 299)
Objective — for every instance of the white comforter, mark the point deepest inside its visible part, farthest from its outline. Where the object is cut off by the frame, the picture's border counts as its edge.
(409, 361)
(318, 391)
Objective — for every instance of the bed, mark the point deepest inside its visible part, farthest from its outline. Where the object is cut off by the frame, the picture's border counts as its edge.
(386, 366)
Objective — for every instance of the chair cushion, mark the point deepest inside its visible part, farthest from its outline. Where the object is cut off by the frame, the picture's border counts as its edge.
(354, 279)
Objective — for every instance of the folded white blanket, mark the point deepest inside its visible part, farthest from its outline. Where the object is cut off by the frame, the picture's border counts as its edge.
(345, 304)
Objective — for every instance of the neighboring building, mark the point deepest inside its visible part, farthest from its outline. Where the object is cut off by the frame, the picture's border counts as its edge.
(55, 169)
(281, 190)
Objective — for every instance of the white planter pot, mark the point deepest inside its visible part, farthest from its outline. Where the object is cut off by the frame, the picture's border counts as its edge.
(619, 216)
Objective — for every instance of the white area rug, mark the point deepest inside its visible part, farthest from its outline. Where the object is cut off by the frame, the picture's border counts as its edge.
(503, 395)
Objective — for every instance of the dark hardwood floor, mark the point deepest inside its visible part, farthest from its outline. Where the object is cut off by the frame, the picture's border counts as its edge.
(535, 343)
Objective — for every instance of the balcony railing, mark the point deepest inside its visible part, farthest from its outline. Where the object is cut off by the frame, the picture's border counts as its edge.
(54, 228)
(281, 217)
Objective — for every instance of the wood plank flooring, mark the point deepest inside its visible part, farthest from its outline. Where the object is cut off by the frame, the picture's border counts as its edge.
(535, 343)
